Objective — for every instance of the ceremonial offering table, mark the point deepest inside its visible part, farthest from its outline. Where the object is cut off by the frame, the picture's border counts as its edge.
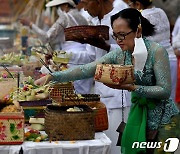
(100, 145)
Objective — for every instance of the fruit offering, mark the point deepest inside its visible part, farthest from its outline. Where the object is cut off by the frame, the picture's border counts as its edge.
(35, 136)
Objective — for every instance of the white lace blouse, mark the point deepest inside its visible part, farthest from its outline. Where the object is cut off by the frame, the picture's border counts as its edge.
(176, 34)
(158, 17)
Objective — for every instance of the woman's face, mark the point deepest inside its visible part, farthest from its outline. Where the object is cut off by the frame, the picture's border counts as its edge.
(123, 34)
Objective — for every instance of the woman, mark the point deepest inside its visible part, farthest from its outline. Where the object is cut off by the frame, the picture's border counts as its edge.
(68, 17)
(152, 76)
(158, 17)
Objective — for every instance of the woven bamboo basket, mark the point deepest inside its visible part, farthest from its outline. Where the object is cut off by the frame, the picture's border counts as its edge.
(58, 90)
(115, 74)
(99, 109)
(81, 97)
(78, 33)
(101, 118)
(62, 125)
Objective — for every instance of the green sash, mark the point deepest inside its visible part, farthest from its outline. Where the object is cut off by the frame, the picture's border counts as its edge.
(135, 130)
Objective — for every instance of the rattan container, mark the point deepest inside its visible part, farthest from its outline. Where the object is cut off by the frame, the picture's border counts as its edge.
(63, 125)
(101, 118)
(81, 97)
(58, 90)
(78, 33)
(99, 109)
(115, 74)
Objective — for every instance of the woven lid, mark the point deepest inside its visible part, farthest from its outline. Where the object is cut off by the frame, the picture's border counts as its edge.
(78, 33)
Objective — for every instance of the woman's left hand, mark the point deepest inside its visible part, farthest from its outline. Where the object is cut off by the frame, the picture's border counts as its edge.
(129, 87)
(43, 80)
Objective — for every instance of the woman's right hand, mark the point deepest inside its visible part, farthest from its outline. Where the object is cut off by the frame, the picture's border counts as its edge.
(43, 80)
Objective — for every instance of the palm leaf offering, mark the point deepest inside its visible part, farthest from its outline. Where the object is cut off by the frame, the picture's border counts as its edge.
(30, 92)
(13, 59)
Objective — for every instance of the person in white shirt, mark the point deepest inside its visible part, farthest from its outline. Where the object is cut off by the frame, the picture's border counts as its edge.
(158, 17)
(176, 29)
(68, 17)
(102, 10)
(84, 13)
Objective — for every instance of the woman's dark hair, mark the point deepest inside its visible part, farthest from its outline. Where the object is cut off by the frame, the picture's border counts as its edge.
(134, 18)
(145, 3)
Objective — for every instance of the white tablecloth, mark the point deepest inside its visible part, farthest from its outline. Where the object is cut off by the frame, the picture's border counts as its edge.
(10, 149)
(100, 145)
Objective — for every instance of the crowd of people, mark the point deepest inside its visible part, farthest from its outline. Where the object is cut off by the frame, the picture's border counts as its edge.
(150, 103)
